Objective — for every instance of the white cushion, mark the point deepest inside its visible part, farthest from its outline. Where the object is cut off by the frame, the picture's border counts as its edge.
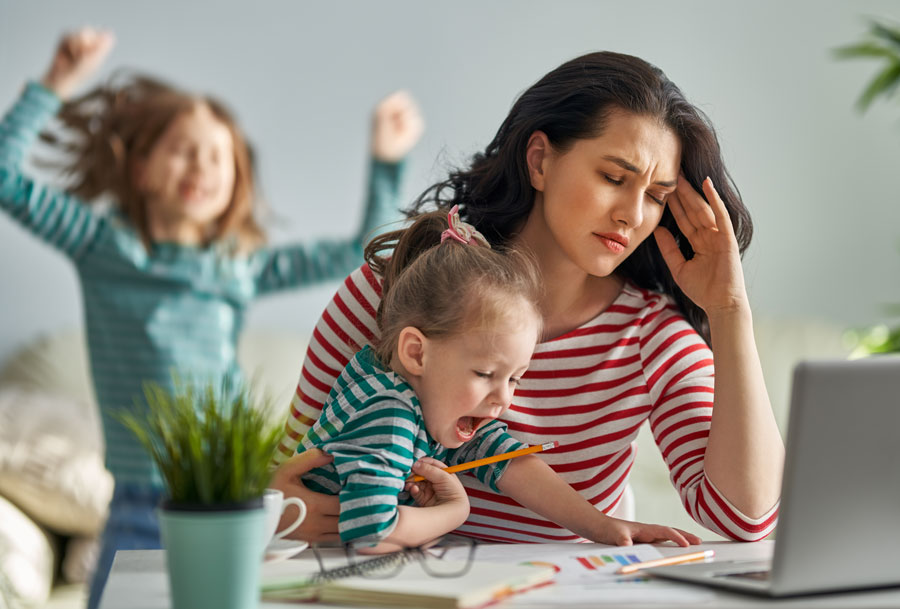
(51, 462)
(26, 558)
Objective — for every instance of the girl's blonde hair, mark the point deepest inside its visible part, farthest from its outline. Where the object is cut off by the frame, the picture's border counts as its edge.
(445, 289)
(114, 126)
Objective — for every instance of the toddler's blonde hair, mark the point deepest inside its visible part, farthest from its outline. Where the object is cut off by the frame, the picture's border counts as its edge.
(446, 289)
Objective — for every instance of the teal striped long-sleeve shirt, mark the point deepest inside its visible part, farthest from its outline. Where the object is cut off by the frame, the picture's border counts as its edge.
(372, 425)
(168, 308)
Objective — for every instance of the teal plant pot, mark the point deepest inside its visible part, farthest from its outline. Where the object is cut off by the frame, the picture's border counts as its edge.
(213, 554)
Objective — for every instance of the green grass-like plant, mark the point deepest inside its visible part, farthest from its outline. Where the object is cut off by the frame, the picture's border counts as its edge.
(212, 446)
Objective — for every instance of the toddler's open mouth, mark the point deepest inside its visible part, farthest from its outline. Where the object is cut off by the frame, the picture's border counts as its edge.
(467, 426)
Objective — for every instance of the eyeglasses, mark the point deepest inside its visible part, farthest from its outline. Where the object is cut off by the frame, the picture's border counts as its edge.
(451, 556)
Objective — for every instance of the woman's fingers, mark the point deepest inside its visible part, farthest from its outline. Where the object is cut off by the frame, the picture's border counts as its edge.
(717, 205)
(678, 212)
(668, 247)
(694, 205)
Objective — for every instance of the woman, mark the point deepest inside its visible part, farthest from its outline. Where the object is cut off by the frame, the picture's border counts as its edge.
(598, 155)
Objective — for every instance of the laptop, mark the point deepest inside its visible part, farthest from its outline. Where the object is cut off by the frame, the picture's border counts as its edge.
(839, 520)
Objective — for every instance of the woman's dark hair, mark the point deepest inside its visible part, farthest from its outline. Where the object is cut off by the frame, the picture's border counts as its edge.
(574, 102)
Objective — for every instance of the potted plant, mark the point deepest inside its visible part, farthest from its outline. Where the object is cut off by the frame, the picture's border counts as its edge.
(882, 42)
(212, 446)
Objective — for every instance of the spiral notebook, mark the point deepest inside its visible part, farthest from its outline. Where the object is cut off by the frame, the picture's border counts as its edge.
(411, 586)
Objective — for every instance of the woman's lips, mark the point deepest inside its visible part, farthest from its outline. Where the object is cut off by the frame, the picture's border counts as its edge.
(614, 242)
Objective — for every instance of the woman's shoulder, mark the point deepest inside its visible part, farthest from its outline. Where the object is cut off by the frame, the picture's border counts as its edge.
(641, 302)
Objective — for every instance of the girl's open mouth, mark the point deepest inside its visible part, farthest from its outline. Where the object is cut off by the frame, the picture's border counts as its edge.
(466, 427)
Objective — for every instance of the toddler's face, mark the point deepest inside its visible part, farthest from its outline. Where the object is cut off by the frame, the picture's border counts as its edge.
(469, 379)
(189, 175)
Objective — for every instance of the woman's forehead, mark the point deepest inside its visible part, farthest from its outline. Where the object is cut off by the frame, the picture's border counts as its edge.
(638, 143)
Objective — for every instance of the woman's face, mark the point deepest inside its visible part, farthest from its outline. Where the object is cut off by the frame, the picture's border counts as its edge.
(598, 200)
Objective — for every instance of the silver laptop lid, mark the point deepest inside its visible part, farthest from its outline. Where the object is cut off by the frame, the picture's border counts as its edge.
(839, 523)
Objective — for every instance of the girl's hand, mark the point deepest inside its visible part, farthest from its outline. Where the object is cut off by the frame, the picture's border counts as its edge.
(438, 488)
(322, 511)
(713, 278)
(625, 533)
(397, 126)
(78, 55)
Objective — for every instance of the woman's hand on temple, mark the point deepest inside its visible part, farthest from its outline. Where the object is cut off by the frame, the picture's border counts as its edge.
(77, 56)
(322, 511)
(713, 278)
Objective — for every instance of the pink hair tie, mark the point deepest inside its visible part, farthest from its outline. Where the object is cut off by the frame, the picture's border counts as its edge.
(462, 232)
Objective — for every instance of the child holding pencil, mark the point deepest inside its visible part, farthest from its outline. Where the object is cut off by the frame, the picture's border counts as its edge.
(458, 323)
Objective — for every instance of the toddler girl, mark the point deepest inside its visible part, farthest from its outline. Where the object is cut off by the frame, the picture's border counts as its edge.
(168, 274)
(458, 326)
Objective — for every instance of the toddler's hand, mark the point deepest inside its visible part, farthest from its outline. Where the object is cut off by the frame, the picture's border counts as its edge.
(397, 126)
(77, 56)
(438, 488)
(625, 533)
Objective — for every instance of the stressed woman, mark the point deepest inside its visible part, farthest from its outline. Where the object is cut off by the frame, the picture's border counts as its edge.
(615, 183)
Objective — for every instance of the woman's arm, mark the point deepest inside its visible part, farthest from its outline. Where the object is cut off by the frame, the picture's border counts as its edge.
(744, 454)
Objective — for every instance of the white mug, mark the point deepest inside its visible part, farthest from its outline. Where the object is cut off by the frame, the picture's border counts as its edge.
(275, 504)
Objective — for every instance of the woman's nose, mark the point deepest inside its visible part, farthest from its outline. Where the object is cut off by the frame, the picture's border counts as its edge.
(628, 209)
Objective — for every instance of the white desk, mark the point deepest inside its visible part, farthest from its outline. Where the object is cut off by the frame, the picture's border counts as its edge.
(138, 581)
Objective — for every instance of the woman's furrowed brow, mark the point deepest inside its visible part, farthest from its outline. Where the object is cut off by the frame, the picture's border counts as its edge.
(635, 169)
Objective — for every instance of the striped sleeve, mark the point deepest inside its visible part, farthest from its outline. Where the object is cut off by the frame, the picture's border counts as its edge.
(490, 439)
(346, 325)
(59, 219)
(383, 202)
(372, 456)
(678, 367)
(294, 266)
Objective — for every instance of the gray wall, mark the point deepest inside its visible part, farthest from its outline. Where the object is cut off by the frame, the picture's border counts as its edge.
(302, 76)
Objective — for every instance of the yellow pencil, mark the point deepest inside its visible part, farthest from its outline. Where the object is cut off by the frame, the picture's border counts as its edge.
(510, 455)
(667, 560)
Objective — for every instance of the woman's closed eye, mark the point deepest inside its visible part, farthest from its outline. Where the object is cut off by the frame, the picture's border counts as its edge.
(482, 374)
(613, 180)
(659, 199)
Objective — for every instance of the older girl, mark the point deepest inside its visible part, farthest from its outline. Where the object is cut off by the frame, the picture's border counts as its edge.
(593, 159)
(168, 275)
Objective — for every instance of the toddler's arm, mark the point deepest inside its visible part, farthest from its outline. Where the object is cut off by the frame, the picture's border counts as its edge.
(448, 508)
(533, 484)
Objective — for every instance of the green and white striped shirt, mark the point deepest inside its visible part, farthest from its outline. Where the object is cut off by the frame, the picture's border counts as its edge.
(372, 425)
(172, 307)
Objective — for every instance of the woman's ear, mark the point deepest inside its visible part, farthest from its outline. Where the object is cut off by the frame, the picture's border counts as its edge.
(411, 345)
(536, 154)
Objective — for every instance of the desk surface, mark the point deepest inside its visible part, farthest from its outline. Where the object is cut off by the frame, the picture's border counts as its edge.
(138, 581)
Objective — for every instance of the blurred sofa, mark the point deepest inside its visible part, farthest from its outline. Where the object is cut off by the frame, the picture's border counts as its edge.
(54, 489)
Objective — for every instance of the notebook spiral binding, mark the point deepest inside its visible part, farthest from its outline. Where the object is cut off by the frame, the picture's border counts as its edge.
(371, 564)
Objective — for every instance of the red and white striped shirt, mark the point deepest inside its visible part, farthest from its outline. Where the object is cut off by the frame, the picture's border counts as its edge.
(590, 389)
